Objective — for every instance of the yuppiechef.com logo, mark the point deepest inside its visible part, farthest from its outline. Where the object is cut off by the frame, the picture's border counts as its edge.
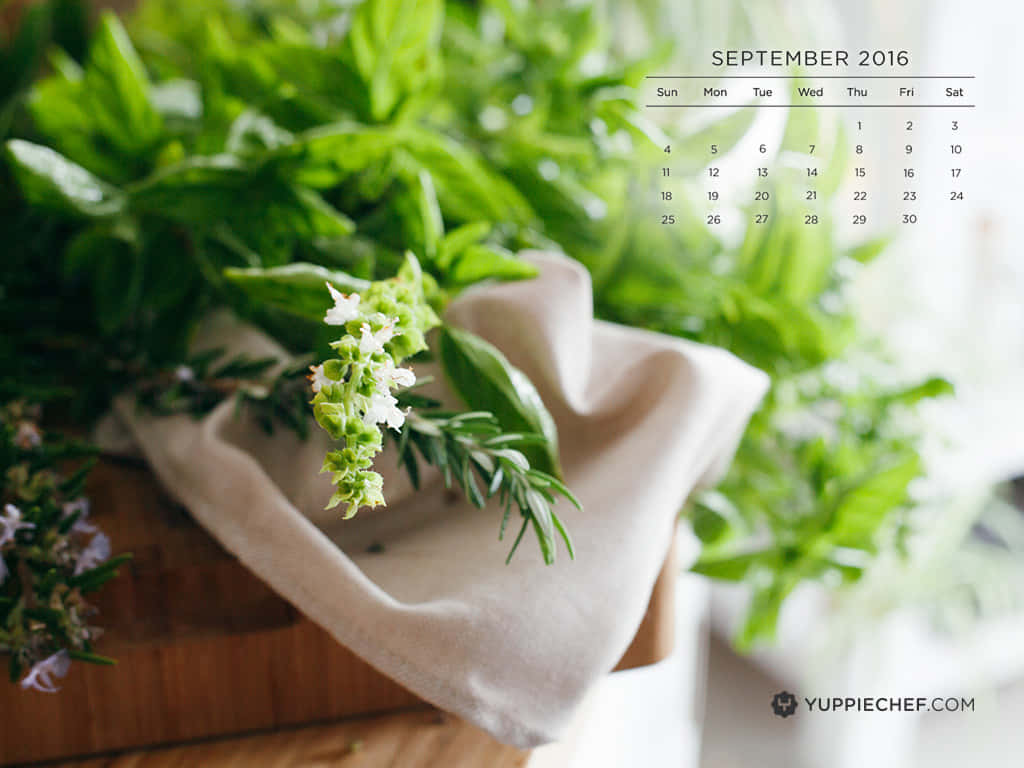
(785, 704)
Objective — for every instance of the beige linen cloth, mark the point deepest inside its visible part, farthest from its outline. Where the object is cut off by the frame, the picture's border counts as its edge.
(643, 419)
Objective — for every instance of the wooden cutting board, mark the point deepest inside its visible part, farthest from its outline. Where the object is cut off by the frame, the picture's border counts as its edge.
(205, 648)
(420, 739)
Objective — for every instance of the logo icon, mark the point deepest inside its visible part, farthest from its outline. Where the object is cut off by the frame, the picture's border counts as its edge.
(784, 704)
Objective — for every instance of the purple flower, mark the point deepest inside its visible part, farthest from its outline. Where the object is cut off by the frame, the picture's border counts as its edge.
(95, 553)
(39, 677)
(80, 505)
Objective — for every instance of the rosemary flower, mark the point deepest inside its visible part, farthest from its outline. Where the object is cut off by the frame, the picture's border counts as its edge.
(11, 523)
(96, 552)
(40, 677)
(28, 436)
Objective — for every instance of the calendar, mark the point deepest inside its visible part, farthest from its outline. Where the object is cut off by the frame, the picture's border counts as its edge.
(859, 130)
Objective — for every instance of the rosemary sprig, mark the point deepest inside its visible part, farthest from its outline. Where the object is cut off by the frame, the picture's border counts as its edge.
(197, 386)
(201, 383)
(472, 450)
(51, 556)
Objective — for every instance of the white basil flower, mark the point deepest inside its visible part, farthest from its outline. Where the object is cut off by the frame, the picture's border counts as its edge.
(11, 523)
(383, 409)
(317, 378)
(40, 677)
(345, 309)
(374, 341)
(388, 376)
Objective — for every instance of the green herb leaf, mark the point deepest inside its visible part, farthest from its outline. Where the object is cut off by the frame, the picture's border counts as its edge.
(394, 46)
(861, 509)
(50, 180)
(297, 288)
(732, 567)
(467, 188)
(486, 381)
(483, 262)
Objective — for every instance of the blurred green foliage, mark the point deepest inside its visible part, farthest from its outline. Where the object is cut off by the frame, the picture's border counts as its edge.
(230, 138)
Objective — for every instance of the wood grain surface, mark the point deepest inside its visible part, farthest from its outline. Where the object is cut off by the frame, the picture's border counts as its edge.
(425, 739)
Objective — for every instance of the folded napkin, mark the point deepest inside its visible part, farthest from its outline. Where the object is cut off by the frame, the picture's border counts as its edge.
(643, 419)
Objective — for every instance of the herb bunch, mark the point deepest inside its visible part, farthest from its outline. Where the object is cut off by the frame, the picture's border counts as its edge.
(51, 556)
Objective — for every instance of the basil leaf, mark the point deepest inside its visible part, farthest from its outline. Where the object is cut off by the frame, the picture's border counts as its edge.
(487, 381)
(733, 567)
(49, 179)
(296, 288)
(117, 88)
(310, 216)
(480, 262)
(325, 156)
(863, 508)
(467, 188)
(394, 45)
(199, 190)
(418, 211)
